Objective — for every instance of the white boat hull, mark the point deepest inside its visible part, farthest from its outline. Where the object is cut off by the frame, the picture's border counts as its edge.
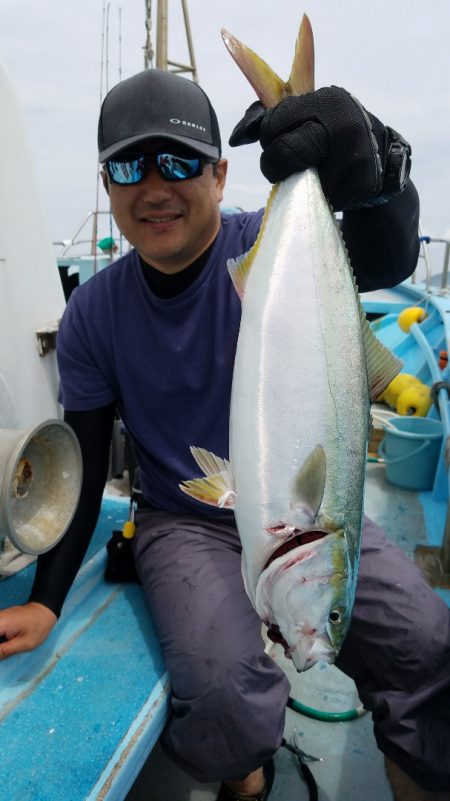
(31, 294)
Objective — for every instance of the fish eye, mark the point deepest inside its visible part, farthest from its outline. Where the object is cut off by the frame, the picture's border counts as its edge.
(335, 617)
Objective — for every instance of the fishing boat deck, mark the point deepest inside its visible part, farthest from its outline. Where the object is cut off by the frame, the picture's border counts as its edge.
(90, 704)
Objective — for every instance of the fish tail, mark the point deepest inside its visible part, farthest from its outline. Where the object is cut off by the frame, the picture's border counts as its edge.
(269, 87)
(301, 79)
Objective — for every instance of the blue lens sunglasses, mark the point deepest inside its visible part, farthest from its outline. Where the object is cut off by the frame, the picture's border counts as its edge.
(132, 169)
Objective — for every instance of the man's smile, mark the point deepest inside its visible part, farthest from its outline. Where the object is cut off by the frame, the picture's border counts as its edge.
(162, 219)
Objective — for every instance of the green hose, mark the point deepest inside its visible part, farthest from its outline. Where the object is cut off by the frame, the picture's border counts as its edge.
(329, 717)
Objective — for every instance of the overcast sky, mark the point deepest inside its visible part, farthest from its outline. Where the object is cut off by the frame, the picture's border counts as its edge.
(393, 56)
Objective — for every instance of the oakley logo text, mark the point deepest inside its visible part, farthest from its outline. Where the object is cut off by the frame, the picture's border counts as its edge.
(176, 121)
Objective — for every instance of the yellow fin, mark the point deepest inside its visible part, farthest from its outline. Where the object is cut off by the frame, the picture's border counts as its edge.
(240, 267)
(239, 270)
(267, 84)
(309, 485)
(269, 87)
(217, 489)
(381, 364)
(301, 79)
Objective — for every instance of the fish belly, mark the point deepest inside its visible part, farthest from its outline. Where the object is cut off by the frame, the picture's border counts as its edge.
(300, 378)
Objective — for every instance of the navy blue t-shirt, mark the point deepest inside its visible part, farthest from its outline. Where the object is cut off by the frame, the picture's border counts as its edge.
(166, 362)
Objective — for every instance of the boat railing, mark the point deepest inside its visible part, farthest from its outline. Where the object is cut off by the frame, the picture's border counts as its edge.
(118, 243)
(425, 242)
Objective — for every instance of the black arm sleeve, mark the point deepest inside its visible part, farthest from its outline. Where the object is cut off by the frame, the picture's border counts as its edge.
(383, 241)
(56, 569)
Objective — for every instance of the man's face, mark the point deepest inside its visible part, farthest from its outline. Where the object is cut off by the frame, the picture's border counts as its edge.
(170, 223)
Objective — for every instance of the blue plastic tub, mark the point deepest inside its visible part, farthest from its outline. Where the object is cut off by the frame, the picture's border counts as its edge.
(410, 450)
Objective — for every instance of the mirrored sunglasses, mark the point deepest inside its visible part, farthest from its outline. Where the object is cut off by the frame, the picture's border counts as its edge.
(133, 168)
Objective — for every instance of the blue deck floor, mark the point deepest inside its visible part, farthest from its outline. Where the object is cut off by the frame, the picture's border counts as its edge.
(77, 719)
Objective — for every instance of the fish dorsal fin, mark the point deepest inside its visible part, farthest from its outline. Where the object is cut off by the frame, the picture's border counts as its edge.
(308, 485)
(269, 87)
(240, 267)
(382, 364)
(301, 79)
(217, 488)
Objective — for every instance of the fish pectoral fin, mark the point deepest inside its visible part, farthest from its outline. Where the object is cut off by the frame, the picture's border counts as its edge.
(212, 464)
(217, 488)
(212, 491)
(308, 485)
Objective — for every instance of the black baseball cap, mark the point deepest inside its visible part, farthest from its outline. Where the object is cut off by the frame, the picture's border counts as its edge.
(157, 104)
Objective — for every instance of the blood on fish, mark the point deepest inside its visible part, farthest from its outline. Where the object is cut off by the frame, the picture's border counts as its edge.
(277, 529)
(300, 538)
(274, 634)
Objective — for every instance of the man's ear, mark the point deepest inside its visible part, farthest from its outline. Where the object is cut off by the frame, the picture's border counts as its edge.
(220, 175)
(105, 180)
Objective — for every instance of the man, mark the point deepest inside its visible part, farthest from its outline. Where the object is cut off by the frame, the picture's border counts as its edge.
(154, 335)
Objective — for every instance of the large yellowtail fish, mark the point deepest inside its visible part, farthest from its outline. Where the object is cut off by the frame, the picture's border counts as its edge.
(306, 368)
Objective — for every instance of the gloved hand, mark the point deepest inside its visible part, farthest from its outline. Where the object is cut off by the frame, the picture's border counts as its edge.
(327, 129)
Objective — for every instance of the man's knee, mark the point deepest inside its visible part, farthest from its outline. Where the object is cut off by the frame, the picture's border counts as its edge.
(398, 652)
(231, 723)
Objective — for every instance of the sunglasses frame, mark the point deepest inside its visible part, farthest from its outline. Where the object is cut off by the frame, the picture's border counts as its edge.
(152, 159)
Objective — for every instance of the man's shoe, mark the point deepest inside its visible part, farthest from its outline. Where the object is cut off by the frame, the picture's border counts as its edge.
(225, 794)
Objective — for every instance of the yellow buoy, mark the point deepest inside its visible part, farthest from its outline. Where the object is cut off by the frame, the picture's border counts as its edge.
(397, 385)
(414, 401)
(413, 314)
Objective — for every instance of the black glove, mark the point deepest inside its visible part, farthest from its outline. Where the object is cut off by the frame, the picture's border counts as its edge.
(330, 130)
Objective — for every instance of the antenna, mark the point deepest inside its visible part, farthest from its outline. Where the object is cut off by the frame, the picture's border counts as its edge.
(120, 44)
(107, 46)
(102, 69)
(102, 52)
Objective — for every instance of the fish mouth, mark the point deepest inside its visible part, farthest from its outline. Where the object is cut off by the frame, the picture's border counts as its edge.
(298, 539)
(321, 650)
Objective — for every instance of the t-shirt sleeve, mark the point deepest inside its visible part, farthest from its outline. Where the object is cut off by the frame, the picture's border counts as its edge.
(84, 383)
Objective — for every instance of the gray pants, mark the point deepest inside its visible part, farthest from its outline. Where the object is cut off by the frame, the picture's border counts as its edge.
(229, 697)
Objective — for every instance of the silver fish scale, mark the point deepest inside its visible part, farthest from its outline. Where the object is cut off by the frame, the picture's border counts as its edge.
(300, 377)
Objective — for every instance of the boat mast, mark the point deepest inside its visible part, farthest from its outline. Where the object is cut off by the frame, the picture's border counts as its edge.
(162, 60)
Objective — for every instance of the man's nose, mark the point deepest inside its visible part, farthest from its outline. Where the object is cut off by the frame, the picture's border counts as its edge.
(154, 185)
